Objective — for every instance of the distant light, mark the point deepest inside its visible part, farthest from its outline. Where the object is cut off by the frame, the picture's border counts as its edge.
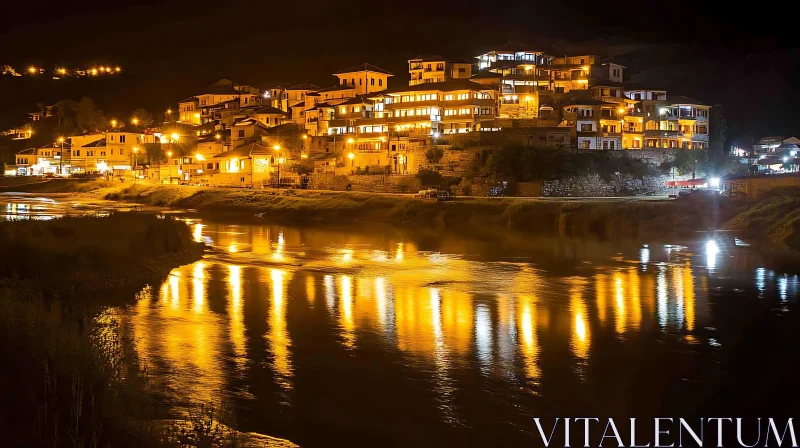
(303, 156)
(135, 149)
(785, 159)
(62, 71)
(621, 110)
(711, 254)
(118, 69)
(175, 136)
(793, 153)
(714, 182)
(93, 71)
(305, 136)
(61, 139)
(200, 157)
(169, 111)
(169, 153)
(217, 136)
(196, 115)
(350, 140)
(113, 123)
(32, 69)
(277, 147)
(135, 121)
(351, 156)
(281, 160)
(663, 110)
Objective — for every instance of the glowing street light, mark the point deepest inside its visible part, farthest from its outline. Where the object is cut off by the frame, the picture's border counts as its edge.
(351, 156)
(175, 136)
(217, 136)
(277, 147)
(169, 153)
(200, 157)
(113, 123)
(118, 69)
(135, 121)
(32, 70)
(62, 71)
(303, 156)
(93, 71)
(350, 140)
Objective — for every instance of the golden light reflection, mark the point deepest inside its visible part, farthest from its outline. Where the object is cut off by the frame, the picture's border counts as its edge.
(529, 344)
(236, 325)
(174, 287)
(198, 284)
(581, 335)
(232, 248)
(277, 254)
(688, 291)
(381, 302)
(399, 252)
(346, 311)
(601, 296)
(278, 335)
(198, 233)
(311, 288)
(619, 296)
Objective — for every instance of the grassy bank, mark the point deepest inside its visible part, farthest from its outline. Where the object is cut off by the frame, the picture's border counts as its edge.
(775, 217)
(543, 218)
(69, 378)
(89, 253)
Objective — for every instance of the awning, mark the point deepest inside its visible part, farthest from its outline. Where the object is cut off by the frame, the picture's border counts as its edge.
(685, 183)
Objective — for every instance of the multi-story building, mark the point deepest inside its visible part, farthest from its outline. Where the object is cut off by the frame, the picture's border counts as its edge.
(435, 68)
(597, 124)
(364, 78)
(200, 108)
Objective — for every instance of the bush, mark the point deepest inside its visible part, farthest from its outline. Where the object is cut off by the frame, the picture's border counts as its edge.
(434, 155)
(429, 178)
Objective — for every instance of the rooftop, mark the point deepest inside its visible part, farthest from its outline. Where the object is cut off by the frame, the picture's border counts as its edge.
(96, 144)
(304, 86)
(364, 68)
(588, 102)
(246, 150)
(511, 47)
(678, 99)
(269, 110)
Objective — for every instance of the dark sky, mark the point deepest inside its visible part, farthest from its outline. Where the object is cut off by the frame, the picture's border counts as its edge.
(743, 59)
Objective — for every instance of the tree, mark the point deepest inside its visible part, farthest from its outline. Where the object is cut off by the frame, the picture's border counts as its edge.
(718, 129)
(88, 118)
(154, 151)
(144, 117)
(434, 155)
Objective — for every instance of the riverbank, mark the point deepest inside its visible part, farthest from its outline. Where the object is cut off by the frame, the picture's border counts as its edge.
(771, 220)
(70, 377)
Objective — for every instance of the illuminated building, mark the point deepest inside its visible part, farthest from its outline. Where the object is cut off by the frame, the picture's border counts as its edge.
(222, 95)
(434, 68)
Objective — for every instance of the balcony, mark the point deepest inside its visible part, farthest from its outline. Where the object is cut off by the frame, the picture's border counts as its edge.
(663, 134)
(415, 67)
(407, 104)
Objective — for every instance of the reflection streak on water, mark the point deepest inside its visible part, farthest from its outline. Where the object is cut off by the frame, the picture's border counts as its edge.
(278, 335)
(444, 313)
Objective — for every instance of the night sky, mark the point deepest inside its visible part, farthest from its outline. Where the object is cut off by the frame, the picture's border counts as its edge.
(744, 59)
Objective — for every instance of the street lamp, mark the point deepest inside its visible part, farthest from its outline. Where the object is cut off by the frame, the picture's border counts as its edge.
(113, 123)
(61, 156)
(135, 121)
(278, 148)
(351, 156)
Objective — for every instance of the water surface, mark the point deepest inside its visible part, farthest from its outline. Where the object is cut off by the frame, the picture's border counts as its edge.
(383, 338)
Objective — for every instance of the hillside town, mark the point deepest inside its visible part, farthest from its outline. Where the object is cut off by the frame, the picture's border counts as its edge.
(307, 136)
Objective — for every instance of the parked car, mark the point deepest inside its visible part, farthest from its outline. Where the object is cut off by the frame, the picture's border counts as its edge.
(443, 195)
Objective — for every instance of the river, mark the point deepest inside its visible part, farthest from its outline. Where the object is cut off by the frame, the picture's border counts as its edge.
(386, 337)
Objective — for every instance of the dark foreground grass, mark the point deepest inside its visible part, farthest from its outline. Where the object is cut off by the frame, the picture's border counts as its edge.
(90, 253)
(69, 374)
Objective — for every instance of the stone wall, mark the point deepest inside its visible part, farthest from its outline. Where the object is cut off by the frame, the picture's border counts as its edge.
(594, 186)
(369, 183)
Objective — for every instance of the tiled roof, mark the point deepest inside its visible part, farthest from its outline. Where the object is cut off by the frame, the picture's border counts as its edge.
(96, 144)
(269, 110)
(588, 102)
(246, 150)
(304, 86)
(358, 99)
(364, 68)
(28, 151)
(486, 74)
(337, 88)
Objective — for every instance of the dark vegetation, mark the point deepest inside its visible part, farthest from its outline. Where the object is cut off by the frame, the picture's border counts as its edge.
(93, 253)
(70, 372)
(521, 163)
